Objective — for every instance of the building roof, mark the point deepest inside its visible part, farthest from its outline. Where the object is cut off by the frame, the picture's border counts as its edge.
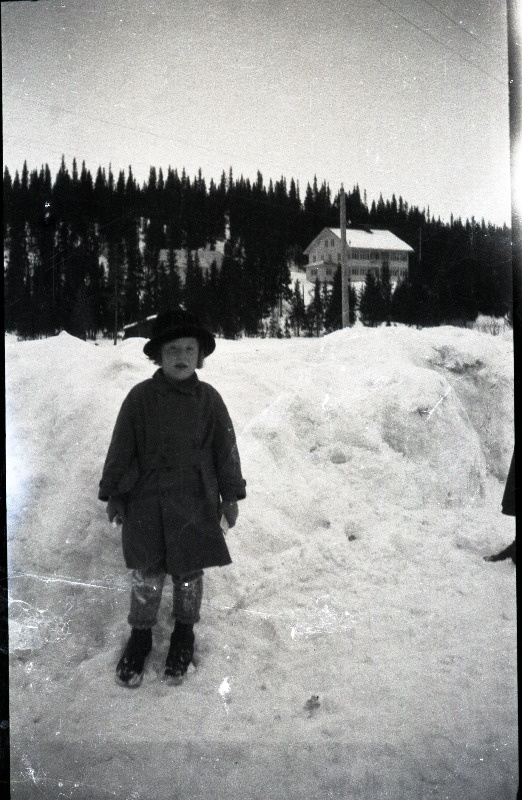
(371, 239)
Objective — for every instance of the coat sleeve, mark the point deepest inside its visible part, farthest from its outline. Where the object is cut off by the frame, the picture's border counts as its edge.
(226, 456)
(120, 470)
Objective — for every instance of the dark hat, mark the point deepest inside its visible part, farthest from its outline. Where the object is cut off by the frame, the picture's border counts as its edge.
(177, 323)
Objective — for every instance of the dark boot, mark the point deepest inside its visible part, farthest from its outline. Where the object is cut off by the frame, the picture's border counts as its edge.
(181, 652)
(131, 664)
(509, 552)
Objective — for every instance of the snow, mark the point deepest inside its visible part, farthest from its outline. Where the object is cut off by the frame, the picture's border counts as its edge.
(359, 646)
(374, 239)
(309, 286)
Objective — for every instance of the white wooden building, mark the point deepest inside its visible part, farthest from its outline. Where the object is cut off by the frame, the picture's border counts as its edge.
(366, 250)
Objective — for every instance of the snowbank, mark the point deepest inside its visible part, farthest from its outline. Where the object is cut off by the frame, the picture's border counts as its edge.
(358, 646)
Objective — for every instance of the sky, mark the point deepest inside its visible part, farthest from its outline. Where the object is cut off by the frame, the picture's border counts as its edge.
(404, 97)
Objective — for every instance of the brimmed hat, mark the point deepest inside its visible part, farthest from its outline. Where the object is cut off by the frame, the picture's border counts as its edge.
(175, 324)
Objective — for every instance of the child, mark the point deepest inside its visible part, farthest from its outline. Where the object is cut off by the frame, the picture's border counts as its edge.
(171, 472)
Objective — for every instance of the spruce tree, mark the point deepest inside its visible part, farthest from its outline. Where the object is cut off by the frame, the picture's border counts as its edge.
(402, 303)
(115, 293)
(297, 309)
(385, 289)
(314, 319)
(133, 277)
(81, 321)
(333, 316)
(18, 295)
(212, 295)
(370, 303)
(275, 330)
(7, 198)
(193, 298)
(172, 210)
(170, 284)
(229, 301)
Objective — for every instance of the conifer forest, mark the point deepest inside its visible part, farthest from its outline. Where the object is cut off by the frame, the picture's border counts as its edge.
(89, 255)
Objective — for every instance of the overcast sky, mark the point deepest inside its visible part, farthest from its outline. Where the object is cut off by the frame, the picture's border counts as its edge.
(399, 96)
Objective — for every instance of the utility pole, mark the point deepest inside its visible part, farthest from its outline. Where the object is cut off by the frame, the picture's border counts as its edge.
(54, 291)
(345, 283)
(48, 218)
(115, 301)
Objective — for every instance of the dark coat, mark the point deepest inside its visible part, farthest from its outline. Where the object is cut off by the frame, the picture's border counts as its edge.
(172, 457)
(509, 497)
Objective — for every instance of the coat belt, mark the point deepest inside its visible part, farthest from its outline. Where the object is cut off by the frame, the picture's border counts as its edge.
(178, 460)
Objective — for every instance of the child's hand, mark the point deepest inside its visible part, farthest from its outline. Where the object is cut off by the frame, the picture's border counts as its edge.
(115, 510)
(230, 510)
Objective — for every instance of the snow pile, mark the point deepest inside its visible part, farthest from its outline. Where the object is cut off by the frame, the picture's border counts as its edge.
(358, 646)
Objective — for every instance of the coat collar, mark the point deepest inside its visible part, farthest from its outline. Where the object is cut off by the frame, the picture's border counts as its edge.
(165, 384)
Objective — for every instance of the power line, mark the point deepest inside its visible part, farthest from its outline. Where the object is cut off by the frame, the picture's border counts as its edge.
(459, 25)
(132, 127)
(127, 126)
(443, 44)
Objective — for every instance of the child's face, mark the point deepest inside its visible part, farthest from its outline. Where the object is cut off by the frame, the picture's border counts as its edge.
(179, 358)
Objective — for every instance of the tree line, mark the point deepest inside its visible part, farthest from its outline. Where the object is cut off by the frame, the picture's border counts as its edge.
(86, 255)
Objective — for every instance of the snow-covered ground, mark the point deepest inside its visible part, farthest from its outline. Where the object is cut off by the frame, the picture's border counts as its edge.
(359, 647)
(309, 286)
